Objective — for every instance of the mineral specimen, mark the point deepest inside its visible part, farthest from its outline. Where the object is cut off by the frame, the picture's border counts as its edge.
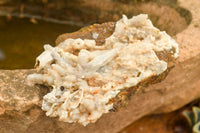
(85, 76)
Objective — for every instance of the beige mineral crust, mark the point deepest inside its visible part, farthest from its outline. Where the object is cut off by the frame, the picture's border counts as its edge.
(85, 76)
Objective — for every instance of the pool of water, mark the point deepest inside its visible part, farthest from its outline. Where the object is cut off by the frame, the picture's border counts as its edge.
(22, 40)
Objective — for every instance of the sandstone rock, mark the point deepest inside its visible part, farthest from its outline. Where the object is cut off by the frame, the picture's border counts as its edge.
(20, 104)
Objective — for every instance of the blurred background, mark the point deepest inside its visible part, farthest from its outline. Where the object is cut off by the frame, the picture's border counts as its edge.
(26, 25)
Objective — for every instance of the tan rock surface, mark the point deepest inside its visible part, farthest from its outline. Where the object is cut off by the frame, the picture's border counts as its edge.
(20, 104)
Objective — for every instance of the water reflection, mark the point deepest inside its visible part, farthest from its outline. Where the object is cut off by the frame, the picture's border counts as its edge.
(2, 55)
(22, 41)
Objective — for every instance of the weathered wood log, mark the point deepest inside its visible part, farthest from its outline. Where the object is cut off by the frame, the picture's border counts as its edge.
(20, 104)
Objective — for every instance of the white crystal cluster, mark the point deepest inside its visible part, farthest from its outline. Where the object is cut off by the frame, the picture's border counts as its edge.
(85, 76)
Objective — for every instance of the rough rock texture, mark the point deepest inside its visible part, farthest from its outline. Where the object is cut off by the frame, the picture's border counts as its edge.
(20, 104)
(104, 31)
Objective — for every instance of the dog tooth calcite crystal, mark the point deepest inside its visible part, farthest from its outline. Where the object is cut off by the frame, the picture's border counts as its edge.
(85, 76)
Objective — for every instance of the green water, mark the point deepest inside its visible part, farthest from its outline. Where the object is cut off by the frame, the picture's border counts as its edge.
(22, 41)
